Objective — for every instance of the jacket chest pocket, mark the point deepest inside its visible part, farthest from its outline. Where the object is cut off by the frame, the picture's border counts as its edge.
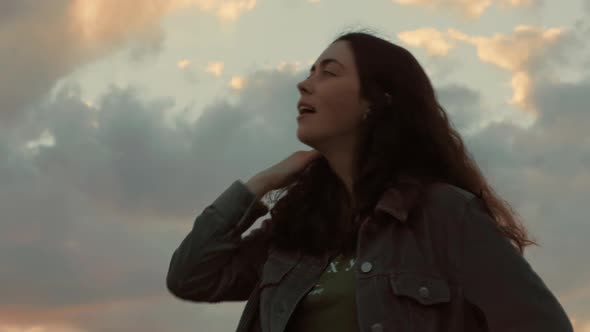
(277, 265)
(425, 296)
(272, 285)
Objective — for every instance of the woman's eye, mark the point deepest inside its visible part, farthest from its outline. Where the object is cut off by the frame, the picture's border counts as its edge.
(323, 71)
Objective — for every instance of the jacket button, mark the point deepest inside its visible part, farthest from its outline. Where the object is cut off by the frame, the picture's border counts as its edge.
(377, 327)
(424, 292)
(366, 266)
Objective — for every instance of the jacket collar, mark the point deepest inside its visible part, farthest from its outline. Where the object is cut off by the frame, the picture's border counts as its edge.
(398, 202)
(395, 201)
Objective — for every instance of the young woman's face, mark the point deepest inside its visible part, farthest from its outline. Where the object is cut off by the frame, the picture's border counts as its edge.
(333, 89)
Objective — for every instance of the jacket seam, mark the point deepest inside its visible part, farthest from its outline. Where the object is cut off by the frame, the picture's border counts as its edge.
(460, 260)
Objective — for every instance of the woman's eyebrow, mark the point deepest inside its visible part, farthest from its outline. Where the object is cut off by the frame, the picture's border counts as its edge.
(326, 62)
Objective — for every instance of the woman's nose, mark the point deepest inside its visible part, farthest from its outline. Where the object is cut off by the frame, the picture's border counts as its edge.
(302, 87)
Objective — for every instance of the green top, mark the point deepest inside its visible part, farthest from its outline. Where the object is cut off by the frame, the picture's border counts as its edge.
(331, 304)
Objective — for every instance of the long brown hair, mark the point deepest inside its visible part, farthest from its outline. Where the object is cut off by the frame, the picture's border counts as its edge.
(407, 134)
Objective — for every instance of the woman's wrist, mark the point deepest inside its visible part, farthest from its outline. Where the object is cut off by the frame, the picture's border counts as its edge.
(257, 186)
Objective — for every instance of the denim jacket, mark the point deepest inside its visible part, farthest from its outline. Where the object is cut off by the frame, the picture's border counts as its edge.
(447, 268)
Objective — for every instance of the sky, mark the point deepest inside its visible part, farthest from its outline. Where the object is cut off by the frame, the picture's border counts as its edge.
(121, 120)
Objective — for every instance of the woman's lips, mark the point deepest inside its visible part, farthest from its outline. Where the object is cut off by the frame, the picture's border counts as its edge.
(303, 115)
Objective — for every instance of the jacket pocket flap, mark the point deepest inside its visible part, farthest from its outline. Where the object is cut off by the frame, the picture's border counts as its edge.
(422, 287)
(274, 269)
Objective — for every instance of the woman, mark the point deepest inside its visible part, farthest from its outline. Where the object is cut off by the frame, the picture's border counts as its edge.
(387, 225)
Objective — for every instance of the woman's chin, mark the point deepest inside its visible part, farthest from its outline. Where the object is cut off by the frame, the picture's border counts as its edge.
(304, 137)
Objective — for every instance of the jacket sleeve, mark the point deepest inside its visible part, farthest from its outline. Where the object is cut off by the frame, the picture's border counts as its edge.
(214, 263)
(500, 282)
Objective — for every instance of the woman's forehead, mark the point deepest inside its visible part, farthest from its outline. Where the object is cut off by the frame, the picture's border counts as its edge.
(338, 51)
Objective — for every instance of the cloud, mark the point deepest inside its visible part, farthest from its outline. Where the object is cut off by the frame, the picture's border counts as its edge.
(469, 8)
(184, 63)
(463, 105)
(73, 33)
(430, 39)
(580, 325)
(215, 68)
(231, 10)
(517, 53)
(189, 74)
(237, 82)
(108, 19)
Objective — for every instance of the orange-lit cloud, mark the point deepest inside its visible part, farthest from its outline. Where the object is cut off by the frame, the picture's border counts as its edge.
(469, 8)
(231, 10)
(580, 325)
(432, 40)
(38, 328)
(183, 64)
(513, 53)
(215, 68)
(237, 82)
(99, 20)
(56, 318)
(289, 66)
